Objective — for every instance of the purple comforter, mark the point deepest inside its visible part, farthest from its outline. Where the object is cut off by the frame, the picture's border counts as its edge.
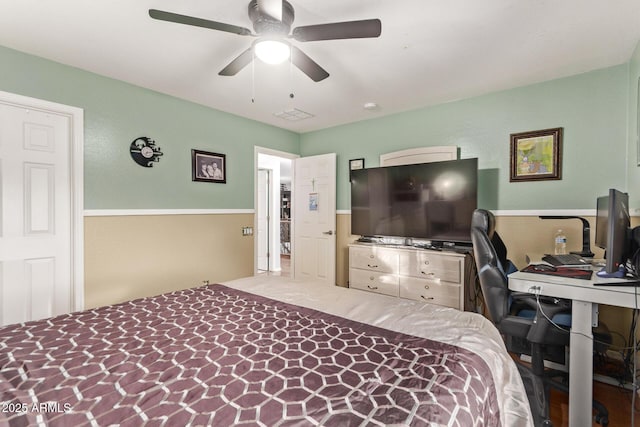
(218, 356)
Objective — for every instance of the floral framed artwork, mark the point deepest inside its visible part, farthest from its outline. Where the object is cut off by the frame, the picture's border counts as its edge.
(208, 167)
(536, 155)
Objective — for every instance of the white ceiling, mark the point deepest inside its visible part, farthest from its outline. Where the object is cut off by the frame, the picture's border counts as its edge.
(429, 52)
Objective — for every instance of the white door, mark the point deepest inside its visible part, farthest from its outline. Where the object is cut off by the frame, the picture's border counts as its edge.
(263, 220)
(37, 233)
(314, 203)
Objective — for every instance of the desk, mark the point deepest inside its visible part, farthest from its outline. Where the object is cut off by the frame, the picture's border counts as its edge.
(584, 295)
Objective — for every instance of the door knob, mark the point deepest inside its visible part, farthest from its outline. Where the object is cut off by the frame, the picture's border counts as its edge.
(330, 232)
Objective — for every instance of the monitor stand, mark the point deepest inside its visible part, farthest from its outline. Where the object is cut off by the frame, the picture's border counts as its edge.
(622, 272)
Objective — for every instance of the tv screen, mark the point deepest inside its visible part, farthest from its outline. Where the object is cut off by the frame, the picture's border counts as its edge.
(432, 201)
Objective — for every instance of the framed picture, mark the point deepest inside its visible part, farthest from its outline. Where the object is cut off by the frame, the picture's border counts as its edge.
(313, 201)
(355, 164)
(208, 167)
(536, 155)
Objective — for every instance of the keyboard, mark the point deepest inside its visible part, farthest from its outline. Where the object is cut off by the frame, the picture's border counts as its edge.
(564, 259)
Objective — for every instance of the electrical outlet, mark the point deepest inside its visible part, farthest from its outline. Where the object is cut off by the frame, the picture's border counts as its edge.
(536, 290)
(247, 231)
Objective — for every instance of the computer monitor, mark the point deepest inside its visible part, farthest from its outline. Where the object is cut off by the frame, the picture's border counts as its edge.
(613, 227)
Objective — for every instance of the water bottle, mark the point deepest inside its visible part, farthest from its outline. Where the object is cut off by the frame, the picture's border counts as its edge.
(560, 243)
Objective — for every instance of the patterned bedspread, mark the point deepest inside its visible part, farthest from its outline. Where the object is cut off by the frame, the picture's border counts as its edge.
(219, 356)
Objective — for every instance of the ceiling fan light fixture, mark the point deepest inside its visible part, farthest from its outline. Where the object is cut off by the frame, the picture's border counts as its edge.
(272, 51)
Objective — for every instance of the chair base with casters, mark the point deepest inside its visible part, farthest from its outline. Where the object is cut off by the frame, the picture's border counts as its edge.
(538, 382)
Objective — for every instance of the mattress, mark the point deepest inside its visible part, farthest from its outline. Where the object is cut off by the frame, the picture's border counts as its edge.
(260, 351)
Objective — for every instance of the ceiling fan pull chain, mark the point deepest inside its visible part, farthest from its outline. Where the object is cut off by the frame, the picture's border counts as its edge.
(291, 95)
(253, 79)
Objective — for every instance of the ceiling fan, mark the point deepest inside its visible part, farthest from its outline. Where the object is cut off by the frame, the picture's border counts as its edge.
(272, 21)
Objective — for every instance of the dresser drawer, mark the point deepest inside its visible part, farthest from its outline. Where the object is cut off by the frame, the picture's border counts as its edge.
(432, 266)
(433, 291)
(374, 259)
(373, 281)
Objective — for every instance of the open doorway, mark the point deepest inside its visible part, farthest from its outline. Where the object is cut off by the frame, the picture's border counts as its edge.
(262, 219)
(273, 213)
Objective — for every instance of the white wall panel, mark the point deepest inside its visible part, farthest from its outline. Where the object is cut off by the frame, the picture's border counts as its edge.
(307, 255)
(3, 300)
(39, 198)
(13, 293)
(323, 206)
(322, 263)
(1, 201)
(39, 137)
(40, 282)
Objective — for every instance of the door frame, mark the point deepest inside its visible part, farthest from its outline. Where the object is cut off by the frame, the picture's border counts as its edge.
(257, 150)
(76, 173)
(268, 228)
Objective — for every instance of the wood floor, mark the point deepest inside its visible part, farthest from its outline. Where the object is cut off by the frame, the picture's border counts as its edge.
(617, 401)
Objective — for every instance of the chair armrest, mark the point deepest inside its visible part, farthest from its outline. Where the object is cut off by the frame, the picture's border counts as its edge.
(541, 323)
(550, 305)
(546, 308)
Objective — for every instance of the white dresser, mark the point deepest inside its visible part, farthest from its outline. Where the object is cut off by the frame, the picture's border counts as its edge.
(427, 275)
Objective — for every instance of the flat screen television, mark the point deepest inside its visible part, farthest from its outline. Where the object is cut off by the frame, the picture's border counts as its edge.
(613, 228)
(431, 201)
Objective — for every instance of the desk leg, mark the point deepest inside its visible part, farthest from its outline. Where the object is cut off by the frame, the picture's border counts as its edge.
(580, 365)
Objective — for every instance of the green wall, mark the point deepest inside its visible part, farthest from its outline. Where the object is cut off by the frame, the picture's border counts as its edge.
(634, 130)
(591, 107)
(598, 111)
(116, 113)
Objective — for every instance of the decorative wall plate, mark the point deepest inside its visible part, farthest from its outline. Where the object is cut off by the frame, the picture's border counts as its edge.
(144, 151)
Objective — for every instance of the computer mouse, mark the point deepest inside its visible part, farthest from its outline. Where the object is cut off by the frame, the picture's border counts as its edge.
(543, 267)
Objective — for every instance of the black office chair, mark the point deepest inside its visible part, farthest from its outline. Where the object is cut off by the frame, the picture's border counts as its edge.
(504, 307)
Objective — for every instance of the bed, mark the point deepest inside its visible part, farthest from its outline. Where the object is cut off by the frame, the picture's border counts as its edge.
(260, 351)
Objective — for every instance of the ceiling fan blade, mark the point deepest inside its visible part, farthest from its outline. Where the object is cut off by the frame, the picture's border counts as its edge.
(198, 22)
(272, 8)
(307, 65)
(339, 30)
(238, 64)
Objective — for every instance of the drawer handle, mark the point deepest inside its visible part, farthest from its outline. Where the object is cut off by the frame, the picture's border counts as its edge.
(372, 287)
(430, 274)
(426, 262)
(426, 286)
(371, 256)
(426, 298)
(371, 278)
(372, 266)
